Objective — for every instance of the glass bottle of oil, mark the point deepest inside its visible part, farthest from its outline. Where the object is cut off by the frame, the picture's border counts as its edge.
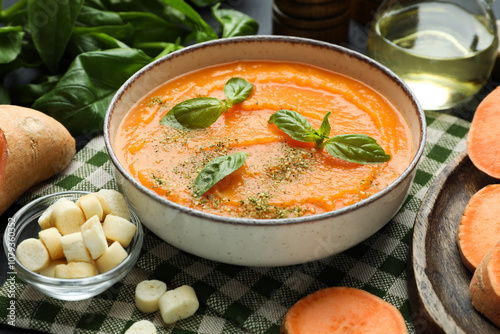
(444, 50)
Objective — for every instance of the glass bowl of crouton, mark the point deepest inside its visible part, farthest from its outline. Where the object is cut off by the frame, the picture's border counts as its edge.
(73, 245)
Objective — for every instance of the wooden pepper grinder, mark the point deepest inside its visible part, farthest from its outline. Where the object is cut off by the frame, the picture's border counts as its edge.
(326, 20)
(363, 10)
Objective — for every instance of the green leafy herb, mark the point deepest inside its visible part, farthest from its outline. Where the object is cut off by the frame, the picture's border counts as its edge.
(199, 112)
(51, 36)
(216, 170)
(237, 90)
(234, 23)
(10, 43)
(294, 124)
(357, 148)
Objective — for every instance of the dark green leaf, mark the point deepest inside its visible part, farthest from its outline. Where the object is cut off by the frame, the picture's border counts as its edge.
(216, 170)
(149, 27)
(92, 17)
(193, 20)
(199, 112)
(234, 23)
(4, 95)
(357, 148)
(10, 43)
(294, 124)
(50, 24)
(80, 99)
(168, 48)
(26, 94)
(94, 41)
(124, 32)
(237, 90)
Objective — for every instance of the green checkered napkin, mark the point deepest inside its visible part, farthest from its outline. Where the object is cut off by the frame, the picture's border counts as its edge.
(234, 299)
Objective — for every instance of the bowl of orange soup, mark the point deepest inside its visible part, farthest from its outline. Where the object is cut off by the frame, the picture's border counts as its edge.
(226, 180)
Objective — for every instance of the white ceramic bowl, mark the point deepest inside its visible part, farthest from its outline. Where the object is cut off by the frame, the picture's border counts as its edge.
(269, 242)
(24, 225)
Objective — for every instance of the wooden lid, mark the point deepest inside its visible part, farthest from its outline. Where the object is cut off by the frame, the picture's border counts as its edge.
(313, 9)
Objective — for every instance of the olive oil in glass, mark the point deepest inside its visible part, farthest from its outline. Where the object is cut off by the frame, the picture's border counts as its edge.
(443, 50)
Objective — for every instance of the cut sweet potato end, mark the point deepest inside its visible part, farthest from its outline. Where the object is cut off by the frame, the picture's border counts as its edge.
(342, 310)
(484, 286)
(479, 228)
(482, 140)
(3, 154)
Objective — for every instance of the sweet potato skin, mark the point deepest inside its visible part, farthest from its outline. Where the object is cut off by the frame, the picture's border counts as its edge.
(485, 286)
(33, 147)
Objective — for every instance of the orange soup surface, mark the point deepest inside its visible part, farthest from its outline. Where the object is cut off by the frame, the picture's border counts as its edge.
(281, 177)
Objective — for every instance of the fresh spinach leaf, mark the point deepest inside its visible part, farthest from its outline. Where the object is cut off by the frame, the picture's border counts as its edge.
(193, 20)
(10, 43)
(357, 148)
(294, 124)
(168, 48)
(124, 32)
(149, 27)
(50, 24)
(93, 41)
(216, 170)
(199, 112)
(92, 17)
(80, 99)
(237, 90)
(234, 23)
(204, 3)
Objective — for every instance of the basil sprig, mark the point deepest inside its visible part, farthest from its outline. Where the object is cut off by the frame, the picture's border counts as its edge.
(357, 148)
(216, 170)
(201, 112)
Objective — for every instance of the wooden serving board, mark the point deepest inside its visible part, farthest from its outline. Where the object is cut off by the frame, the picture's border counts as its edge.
(438, 281)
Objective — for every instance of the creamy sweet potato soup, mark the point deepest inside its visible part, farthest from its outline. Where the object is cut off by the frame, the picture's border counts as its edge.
(281, 177)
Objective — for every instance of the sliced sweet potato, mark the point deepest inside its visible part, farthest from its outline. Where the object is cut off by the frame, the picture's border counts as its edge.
(342, 310)
(482, 140)
(485, 286)
(479, 228)
(33, 147)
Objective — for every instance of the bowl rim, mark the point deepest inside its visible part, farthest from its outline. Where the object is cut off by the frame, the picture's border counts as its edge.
(127, 264)
(279, 221)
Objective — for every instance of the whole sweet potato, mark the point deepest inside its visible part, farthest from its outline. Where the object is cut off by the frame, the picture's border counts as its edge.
(33, 147)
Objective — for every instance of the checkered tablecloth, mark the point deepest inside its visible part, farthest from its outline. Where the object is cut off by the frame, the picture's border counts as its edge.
(233, 299)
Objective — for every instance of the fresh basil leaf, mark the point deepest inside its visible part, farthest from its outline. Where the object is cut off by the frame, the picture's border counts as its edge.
(93, 41)
(237, 90)
(50, 25)
(216, 170)
(357, 148)
(199, 112)
(294, 124)
(234, 23)
(4, 95)
(10, 43)
(169, 120)
(193, 20)
(93, 17)
(80, 99)
(149, 27)
(325, 128)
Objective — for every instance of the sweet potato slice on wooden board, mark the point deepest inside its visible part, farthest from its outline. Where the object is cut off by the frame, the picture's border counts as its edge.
(479, 228)
(342, 310)
(482, 140)
(33, 147)
(485, 286)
